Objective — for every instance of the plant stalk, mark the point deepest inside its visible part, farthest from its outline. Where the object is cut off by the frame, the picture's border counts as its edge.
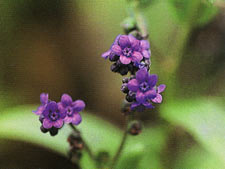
(120, 149)
(86, 147)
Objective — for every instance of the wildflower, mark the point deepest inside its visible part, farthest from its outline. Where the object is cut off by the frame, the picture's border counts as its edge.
(71, 109)
(128, 48)
(143, 85)
(44, 100)
(52, 116)
(128, 54)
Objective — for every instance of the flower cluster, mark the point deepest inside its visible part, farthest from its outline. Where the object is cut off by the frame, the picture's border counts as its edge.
(53, 115)
(132, 54)
(128, 54)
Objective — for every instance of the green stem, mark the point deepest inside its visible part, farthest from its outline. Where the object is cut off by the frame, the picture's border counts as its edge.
(140, 20)
(119, 151)
(86, 147)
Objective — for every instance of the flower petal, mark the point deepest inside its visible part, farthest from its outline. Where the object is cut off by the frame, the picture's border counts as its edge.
(135, 44)
(145, 45)
(106, 54)
(47, 124)
(125, 60)
(137, 56)
(142, 75)
(157, 99)
(161, 88)
(134, 105)
(116, 49)
(50, 106)
(76, 119)
(66, 100)
(68, 119)
(133, 85)
(152, 80)
(39, 110)
(78, 105)
(58, 123)
(140, 97)
(124, 41)
(116, 40)
(44, 98)
(148, 105)
(151, 93)
(146, 53)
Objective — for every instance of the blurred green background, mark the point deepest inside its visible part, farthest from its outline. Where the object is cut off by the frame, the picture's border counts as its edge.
(55, 47)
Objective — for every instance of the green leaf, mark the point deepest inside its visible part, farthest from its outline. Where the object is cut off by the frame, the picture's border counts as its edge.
(21, 124)
(197, 157)
(204, 118)
(195, 12)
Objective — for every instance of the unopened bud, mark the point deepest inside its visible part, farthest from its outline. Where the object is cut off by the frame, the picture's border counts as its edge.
(135, 128)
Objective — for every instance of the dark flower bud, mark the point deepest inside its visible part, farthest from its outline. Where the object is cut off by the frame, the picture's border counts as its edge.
(131, 96)
(114, 67)
(125, 80)
(124, 88)
(123, 70)
(75, 142)
(135, 128)
(44, 130)
(53, 131)
(114, 58)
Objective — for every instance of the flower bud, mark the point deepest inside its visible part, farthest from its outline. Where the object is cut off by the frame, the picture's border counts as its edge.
(124, 88)
(135, 128)
(44, 130)
(53, 131)
(75, 142)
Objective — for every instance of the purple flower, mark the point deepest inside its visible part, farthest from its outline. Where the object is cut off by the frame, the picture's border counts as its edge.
(71, 109)
(53, 116)
(129, 49)
(44, 101)
(143, 85)
(158, 98)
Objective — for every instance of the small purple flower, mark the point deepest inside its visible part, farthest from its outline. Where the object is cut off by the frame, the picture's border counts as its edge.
(158, 98)
(53, 116)
(143, 85)
(129, 49)
(71, 109)
(44, 101)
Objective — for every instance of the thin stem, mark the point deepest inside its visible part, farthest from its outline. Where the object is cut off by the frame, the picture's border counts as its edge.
(118, 153)
(87, 148)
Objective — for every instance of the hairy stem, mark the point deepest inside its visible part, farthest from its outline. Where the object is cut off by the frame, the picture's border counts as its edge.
(119, 151)
(86, 147)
